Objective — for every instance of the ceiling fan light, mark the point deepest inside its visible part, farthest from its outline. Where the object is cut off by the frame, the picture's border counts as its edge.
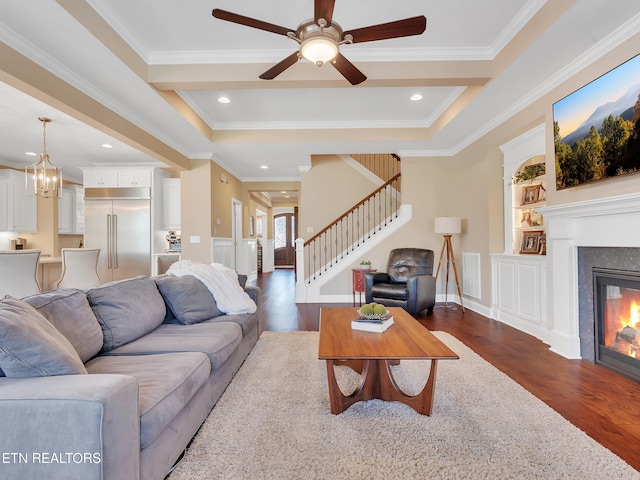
(319, 50)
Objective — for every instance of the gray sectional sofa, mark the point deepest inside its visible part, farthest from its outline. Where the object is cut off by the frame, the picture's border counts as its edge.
(113, 382)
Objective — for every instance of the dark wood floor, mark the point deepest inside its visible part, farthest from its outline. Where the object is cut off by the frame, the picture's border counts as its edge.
(603, 404)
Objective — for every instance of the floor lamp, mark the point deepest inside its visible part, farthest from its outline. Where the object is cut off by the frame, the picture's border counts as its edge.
(448, 226)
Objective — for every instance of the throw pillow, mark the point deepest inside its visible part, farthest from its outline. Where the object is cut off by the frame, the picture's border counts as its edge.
(188, 298)
(127, 310)
(69, 311)
(30, 346)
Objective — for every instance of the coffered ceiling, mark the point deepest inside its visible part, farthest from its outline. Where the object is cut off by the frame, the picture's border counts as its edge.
(145, 76)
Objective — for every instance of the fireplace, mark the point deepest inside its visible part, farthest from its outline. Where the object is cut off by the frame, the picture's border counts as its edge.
(617, 320)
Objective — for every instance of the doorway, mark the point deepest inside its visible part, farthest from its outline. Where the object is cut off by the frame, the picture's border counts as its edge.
(285, 232)
(236, 231)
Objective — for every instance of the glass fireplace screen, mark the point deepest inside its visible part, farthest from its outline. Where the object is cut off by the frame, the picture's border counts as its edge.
(617, 298)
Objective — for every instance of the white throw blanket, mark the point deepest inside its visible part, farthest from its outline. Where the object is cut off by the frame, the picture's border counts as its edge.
(221, 281)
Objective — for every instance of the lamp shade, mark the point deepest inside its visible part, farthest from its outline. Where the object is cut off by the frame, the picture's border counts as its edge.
(319, 50)
(448, 225)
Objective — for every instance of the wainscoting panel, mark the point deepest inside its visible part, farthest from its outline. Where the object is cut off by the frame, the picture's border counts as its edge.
(268, 262)
(222, 251)
(247, 258)
(471, 280)
(520, 293)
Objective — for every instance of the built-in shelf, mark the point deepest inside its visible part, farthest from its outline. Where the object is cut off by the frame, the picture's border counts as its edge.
(529, 236)
(519, 280)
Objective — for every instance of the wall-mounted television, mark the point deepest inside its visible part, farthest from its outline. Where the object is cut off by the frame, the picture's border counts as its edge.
(597, 128)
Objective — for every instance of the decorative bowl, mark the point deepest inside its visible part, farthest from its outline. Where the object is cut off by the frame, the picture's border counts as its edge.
(374, 316)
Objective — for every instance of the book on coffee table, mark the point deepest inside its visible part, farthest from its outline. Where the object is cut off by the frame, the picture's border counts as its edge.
(372, 325)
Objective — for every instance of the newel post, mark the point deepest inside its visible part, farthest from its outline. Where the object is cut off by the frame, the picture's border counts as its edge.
(301, 289)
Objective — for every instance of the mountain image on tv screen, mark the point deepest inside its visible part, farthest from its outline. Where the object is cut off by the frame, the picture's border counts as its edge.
(597, 128)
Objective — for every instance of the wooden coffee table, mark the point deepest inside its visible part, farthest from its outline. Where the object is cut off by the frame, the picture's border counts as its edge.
(371, 354)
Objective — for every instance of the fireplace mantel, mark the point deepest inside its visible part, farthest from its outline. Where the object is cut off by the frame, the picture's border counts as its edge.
(601, 206)
(605, 222)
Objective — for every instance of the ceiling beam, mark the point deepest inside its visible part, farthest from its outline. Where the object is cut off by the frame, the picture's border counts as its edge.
(29, 77)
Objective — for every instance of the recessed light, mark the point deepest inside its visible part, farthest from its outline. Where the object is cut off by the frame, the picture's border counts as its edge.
(283, 191)
(223, 100)
(416, 97)
(31, 154)
(264, 167)
(106, 145)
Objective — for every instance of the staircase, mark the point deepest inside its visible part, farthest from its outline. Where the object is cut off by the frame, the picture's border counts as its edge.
(384, 166)
(356, 231)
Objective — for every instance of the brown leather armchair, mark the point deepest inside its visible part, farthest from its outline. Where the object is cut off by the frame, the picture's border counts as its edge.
(407, 283)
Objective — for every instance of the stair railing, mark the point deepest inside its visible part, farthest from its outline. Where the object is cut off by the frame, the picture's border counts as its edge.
(351, 229)
(384, 165)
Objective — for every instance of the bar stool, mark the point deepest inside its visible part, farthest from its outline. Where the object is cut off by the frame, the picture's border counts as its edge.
(79, 268)
(19, 273)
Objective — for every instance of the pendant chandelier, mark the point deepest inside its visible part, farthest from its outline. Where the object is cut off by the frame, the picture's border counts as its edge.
(46, 177)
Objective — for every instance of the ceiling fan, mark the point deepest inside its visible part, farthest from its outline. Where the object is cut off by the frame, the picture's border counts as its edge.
(320, 38)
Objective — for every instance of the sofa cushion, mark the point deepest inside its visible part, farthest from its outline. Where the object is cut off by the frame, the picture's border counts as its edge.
(167, 383)
(30, 346)
(247, 321)
(217, 340)
(126, 310)
(188, 299)
(69, 311)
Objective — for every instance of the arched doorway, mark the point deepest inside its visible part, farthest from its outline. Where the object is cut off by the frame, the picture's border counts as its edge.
(285, 232)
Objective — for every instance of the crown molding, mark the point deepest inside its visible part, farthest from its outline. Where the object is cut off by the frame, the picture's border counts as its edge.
(611, 41)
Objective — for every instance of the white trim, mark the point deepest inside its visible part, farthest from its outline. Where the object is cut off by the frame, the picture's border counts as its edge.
(311, 293)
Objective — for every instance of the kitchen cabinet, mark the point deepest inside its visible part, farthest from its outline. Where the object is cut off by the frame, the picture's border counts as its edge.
(114, 177)
(4, 204)
(71, 210)
(104, 178)
(65, 211)
(171, 204)
(18, 210)
(134, 178)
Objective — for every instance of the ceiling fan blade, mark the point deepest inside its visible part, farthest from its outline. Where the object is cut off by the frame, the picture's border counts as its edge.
(278, 68)
(384, 31)
(323, 9)
(348, 70)
(251, 22)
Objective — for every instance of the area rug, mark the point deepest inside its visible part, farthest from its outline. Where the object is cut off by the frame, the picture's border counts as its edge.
(274, 422)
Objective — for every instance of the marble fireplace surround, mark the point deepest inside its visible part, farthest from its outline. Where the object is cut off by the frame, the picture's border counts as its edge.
(605, 222)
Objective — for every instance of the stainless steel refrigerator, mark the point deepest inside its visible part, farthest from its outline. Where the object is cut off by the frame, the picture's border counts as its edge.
(118, 221)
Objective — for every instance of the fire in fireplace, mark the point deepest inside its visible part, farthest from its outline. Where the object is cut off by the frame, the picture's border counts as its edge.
(617, 312)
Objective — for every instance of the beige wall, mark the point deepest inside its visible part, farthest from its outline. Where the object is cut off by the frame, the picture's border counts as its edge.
(206, 193)
(221, 198)
(196, 211)
(327, 190)
(46, 238)
(252, 193)
(466, 186)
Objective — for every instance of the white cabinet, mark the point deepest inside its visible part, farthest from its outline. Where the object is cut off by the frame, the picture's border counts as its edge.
(4, 204)
(71, 210)
(519, 293)
(65, 211)
(134, 178)
(116, 177)
(171, 204)
(100, 177)
(78, 211)
(19, 211)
